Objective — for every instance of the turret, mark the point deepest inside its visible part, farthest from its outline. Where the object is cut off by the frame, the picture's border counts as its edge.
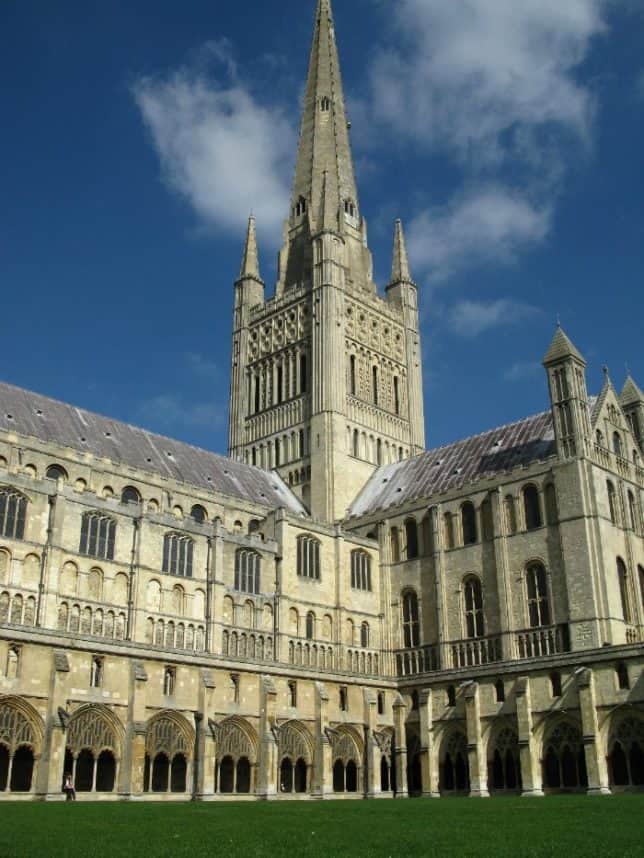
(403, 294)
(632, 402)
(566, 370)
(249, 292)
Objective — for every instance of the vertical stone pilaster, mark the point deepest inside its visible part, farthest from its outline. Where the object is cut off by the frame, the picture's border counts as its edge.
(132, 770)
(322, 784)
(476, 757)
(371, 756)
(205, 751)
(596, 765)
(429, 753)
(50, 772)
(400, 750)
(530, 767)
(268, 762)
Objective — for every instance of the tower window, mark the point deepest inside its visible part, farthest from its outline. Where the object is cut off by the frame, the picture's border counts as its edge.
(360, 570)
(292, 694)
(13, 509)
(177, 555)
(96, 672)
(247, 569)
(98, 533)
(531, 507)
(555, 684)
(411, 625)
(308, 557)
(344, 699)
(374, 384)
(622, 574)
(537, 593)
(468, 520)
(474, 623)
(396, 395)
(352, 374)
(169, 678)
(300, 207)
(325, 104)
(612, 501)
(234, 681)
(303, 377)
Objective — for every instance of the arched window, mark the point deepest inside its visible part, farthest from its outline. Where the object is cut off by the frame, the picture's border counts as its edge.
(98, 533)
(352, 374)
(356, 444)
(395, 545)
(411, 533)
(622, 574)
(247, 571)
(396, 395)
(411, 624)
(555, 684)
(564, 760)
(364, 635)
(640, 573)
(550, 494)
(308, 557)
(448, 523)
(510, 515)
(178, 552)
(487, 520)
(198, 513)
(621, 674)
(612, 501)
(617, 444)
(374, 384)
(360, 570)
(13, 511)
(310, 626)
(499, 691)
(379, 452)
(474, 622)
(130, 495)
(531, 507)
(56, 472)
(468, 521)
(632, 511)
(537, 595)
(303, 374)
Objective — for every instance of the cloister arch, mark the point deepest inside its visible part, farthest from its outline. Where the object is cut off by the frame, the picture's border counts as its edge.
(347, 754)
(296, 757)
(235, 756)
(625, 749)
(503, 759)
(454, 764)
(563, 759)
(169, 747)
(93, 748)
(21, 737)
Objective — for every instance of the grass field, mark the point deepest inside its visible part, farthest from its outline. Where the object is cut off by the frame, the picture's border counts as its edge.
(556, 826)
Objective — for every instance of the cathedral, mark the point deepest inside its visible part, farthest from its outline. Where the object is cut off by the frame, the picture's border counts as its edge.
(331, 610)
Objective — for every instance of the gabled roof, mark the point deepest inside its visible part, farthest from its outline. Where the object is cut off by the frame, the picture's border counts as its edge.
(49, 420)
(631, 393)
(561, 347)
(445, 468)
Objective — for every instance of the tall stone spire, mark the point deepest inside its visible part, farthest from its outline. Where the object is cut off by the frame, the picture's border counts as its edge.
(324, 136)
(400, 268)
(250, 258)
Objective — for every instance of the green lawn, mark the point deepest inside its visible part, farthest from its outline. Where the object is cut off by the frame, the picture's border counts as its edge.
(567, 826)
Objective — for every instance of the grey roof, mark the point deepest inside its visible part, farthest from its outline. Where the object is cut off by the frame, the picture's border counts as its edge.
(49, 420)
(458, 464)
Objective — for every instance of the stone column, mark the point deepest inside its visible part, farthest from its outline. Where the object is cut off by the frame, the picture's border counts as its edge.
(429, 753)
(400, 750)
(133, 767)
(52, 760)
(530, 767)
(476, 757)
(596, 764)
(503, 575)
(322, 784)
(205, 782)
(268, 762)
(371, 755)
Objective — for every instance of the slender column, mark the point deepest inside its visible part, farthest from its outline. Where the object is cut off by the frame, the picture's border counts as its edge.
(439, 581)
(268, 762)
(530, 769)
(429, 756)
(596, 765)
(476, 757)
(400, 752)
(503, 582)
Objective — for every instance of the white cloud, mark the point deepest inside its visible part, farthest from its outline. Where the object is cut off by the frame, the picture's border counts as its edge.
(494, 86)
(471, 318)
(202, 366)
(470, 73)
(219, 148)
(522, 370)
(489, 223)
(170, 410)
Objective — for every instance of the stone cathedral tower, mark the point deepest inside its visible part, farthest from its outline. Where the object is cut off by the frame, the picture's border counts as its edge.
(326, 377)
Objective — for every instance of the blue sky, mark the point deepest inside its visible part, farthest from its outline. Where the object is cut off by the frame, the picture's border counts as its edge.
(137, 135)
